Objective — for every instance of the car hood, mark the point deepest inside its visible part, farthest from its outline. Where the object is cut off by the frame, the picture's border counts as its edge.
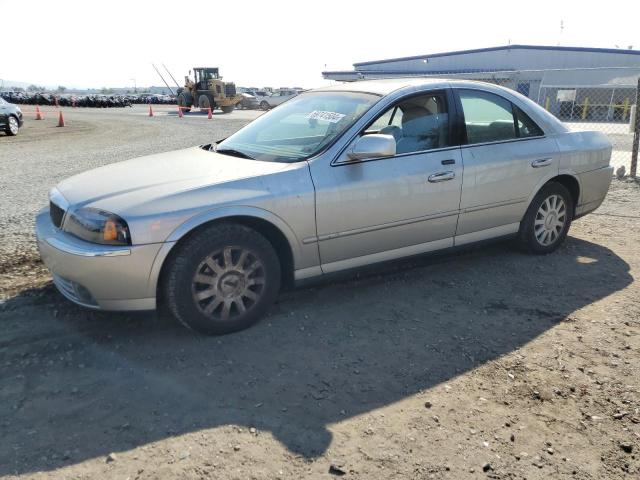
(122, 186)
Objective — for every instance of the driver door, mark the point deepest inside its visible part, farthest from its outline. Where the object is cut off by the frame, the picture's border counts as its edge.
(384, 208)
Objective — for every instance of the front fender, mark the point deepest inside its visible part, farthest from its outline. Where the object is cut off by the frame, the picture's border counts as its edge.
(220, 213)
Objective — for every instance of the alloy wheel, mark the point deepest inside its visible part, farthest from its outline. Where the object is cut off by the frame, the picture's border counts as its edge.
(227, 283)
(13, 125)
(550, 220)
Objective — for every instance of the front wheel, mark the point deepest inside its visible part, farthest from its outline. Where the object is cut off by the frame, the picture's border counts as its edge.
(223, 279)
(547, 221)
(264, 105)
(12, 126)
(227, 109)
(185, 100)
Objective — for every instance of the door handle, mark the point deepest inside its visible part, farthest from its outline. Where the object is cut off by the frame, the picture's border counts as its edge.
(441, 177)
(543, 162)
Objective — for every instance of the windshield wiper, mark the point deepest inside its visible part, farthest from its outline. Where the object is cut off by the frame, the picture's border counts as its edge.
(233, 153)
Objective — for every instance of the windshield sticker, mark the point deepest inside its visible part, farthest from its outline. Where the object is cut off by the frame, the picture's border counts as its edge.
(332, 117)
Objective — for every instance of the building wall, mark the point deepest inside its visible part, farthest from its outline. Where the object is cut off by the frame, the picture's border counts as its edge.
(601, 82)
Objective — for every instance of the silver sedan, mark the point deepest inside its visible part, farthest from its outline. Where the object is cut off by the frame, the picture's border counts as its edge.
(333, 179)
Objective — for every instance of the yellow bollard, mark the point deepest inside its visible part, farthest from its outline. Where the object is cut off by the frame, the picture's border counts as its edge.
(585, 108)
(547, 104)
(625, 110)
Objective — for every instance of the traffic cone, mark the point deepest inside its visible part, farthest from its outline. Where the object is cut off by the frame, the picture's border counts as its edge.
(209, 115)
(150, 111)
(180, 114)
(60, 120)
(39, 115)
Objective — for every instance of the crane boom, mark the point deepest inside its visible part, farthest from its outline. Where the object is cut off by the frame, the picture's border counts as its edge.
(174, 80)
(160, 75)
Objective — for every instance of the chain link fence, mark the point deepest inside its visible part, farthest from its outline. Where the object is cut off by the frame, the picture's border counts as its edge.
(603, 99)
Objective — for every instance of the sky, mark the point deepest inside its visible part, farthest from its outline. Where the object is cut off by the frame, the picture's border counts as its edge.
(281, 43)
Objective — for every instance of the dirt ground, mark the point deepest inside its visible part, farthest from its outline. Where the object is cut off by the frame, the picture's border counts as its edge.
(487, 363)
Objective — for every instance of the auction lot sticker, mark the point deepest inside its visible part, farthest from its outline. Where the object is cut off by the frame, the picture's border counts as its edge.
(332, 117)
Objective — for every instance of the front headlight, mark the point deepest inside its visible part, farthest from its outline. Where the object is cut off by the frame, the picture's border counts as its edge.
(97, 226)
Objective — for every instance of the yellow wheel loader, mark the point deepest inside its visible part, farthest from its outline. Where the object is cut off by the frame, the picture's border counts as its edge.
(207, 90)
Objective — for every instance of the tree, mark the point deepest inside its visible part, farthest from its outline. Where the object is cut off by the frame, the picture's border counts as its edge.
(34, 88)
(61, 89)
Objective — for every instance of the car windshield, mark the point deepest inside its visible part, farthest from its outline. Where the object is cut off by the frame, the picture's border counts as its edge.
(299, 128)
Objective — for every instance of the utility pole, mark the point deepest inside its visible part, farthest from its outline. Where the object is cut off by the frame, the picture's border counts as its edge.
(636, 135)
(135, 85)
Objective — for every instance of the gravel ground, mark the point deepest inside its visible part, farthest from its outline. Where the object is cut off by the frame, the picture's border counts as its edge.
(487, 363)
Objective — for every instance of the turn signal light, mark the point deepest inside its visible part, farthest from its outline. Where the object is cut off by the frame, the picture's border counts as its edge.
(110, 232)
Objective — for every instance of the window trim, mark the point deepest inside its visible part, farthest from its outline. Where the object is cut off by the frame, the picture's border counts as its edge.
(462, 127)
(454, 136)
(515, 108)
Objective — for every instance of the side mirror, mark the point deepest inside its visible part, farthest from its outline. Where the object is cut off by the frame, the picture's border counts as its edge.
(373, 146)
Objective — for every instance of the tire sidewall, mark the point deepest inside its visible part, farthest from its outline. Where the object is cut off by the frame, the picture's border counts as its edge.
(192, 253)
(527, 235)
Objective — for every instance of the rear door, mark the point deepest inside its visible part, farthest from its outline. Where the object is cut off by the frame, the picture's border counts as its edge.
(507, 157)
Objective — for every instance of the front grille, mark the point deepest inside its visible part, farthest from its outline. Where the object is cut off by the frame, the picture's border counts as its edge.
(229, 89)
(56, 213)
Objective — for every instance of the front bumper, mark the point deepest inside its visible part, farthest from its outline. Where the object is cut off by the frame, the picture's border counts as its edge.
(97, 276)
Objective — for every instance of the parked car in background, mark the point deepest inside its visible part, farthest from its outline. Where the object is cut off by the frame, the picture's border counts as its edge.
(276, 98)
(334, 179)
(248, 101)
(10, 117)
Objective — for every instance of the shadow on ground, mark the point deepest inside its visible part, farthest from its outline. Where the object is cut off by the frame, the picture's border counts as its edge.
(78, 385)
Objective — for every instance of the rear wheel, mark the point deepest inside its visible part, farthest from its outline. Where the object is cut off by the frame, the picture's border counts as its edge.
(547, 221)
(12, 126)
(223, 279)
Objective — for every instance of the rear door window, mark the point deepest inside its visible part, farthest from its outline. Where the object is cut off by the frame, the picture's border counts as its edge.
(491, 118)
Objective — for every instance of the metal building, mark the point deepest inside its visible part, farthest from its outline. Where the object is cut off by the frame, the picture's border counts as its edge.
(574, 83)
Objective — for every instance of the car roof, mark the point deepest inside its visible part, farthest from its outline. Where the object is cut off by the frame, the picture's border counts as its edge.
(384, 86)
(389, 85)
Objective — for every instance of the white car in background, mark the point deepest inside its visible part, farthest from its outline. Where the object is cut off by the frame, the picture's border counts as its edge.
(277, 98)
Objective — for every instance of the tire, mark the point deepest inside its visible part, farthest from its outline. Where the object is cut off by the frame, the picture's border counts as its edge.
(264, 105)
(204, 102)
(548, 219)
(185, 100)
(12, 126)
(224, 269)
(227, 109)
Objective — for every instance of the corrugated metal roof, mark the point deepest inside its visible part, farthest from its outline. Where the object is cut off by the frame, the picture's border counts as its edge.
(504, 47)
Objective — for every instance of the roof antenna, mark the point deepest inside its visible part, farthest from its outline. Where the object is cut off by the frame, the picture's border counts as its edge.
(561, 30)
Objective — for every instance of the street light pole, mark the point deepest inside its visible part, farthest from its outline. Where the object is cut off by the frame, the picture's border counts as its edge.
(135, 85)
